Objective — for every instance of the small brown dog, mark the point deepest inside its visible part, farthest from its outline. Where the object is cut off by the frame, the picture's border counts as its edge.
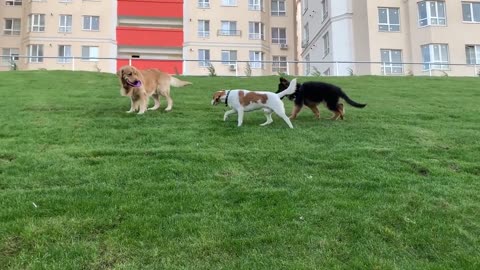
(139, 85)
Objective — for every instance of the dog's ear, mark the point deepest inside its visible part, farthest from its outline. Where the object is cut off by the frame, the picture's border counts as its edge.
(119, 72)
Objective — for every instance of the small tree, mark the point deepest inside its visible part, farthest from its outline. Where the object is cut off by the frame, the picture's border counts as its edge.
(316, 72)
(211, 71)
(248, 70)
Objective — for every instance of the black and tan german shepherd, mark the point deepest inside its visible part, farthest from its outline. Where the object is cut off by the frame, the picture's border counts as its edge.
(313, 93)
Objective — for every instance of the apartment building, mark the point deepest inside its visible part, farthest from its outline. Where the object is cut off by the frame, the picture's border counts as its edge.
(45, 34)
(401, 37)
(237, 37)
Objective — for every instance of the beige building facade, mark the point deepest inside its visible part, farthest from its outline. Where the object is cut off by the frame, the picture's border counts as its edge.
(240, 37)
(47, 34)
(400, 37)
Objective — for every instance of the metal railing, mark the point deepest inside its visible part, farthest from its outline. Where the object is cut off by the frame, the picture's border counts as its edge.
(248, 68)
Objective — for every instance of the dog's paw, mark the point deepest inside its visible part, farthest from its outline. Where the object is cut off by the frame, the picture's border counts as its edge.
(130, 111)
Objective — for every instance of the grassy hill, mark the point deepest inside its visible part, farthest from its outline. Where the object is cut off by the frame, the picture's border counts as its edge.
(86, 186)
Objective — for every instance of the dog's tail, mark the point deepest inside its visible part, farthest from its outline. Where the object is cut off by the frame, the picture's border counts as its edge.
(177, 82)
(290, 90)
(350, 101)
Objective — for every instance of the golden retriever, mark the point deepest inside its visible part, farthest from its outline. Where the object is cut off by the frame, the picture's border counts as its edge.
(139, 85)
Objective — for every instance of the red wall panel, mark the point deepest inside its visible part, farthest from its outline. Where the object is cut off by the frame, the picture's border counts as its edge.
(168, 66)
(133, 36)
(151, 8)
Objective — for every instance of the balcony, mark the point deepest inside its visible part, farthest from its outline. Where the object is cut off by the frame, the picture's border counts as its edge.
(229, 33)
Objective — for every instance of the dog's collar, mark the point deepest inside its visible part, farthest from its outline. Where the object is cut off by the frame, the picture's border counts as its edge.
(226, 98)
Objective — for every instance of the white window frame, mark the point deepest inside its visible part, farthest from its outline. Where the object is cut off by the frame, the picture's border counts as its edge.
(89, 19)
(16, 27)
(432, 15)
(326, 44)
(390, 27)
(229, 3)
(255, 5)
(436, 59)
(276, 9)
(37, 22)
(203, 4)
(228, 28)
(65, 55)
(279, 64)
(325, 9)
(253, 33)
(63, 24)
(35, 53)
(13, 2)
(390, 66)
(279, 39)
(475, 58)
(9, 53)
(203, 60)
(229, 57)
(256, 59)
(202, 28)
(93, 53)
(471, 8)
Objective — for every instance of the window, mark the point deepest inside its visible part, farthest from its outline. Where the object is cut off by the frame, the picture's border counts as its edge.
(91, 23)
(473, 54)
(9, 54)
(204, 57)
(471, 11)
(325, 9)
(204, 3)
(279, 35)
(389, 19)
(229, 3)
(255, 30)
(391, 61)
(13, 2)
(37, 22)
(256, 59)
(278, 8)
(229, 28)
(431, 13)
(229, 57)
(89, 53)
(279, 64)
(64, 53)
(65, 25)
(35, 53)
(203, 28)
(255, 5)
(12, 27)
(306, 33)
(304, 5)
(435, 56)
(326, 44)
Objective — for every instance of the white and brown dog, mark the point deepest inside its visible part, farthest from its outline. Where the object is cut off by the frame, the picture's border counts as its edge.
(241, 101)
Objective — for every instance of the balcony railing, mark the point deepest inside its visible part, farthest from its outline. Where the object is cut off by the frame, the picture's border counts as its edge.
(229, 33)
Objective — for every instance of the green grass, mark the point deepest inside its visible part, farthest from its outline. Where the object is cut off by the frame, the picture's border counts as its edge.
(394, 186)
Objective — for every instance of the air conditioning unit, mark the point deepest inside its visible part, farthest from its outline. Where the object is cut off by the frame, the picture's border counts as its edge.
(232, 67)
(283, 46)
